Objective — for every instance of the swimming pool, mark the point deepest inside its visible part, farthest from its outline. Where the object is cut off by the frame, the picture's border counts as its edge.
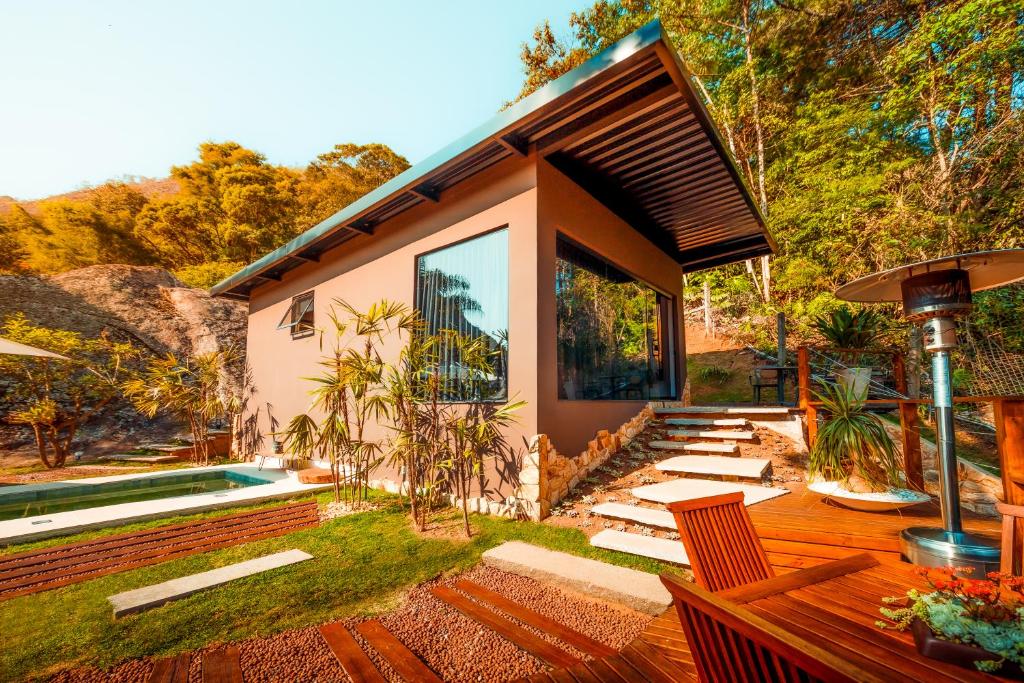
(45, 499)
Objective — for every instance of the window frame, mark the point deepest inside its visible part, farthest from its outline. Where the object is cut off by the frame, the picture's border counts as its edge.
(670, 326)
(508, 303)
(293, 324)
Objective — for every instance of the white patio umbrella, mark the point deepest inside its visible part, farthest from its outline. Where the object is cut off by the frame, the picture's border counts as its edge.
(9, 348)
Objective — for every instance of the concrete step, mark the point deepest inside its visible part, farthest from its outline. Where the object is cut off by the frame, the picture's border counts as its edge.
(660, 549)
(635, 589)
(761, 411)
(713, 434)
(158, 594)
(636, 513)
(723, 466)
(706, 421)
(696, 447)
(688, 489)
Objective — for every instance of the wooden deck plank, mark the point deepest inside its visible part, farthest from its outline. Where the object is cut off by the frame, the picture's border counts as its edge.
(507, 629)
(222, 666)
(171, 669)
(353, 660)
(83, 567)
(401, 658)
(108, 542)
(578, 640)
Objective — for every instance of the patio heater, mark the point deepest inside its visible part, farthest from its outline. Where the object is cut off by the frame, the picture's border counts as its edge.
(934, 293)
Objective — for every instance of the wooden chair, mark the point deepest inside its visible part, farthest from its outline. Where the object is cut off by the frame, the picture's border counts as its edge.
(1012, 554)
(731, 644)
(720, 541)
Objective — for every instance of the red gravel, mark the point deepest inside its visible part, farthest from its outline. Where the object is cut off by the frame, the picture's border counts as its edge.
(456, 647)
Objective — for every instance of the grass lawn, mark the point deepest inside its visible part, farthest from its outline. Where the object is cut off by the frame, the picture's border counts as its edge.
(362, 564)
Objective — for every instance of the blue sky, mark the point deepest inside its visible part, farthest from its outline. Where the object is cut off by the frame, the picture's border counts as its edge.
(96, 90)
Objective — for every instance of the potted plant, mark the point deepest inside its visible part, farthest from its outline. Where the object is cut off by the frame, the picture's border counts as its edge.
(969, 622)
(854, 460)
(851, 331)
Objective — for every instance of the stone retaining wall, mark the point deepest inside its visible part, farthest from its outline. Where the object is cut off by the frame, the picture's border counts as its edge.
(547, 476)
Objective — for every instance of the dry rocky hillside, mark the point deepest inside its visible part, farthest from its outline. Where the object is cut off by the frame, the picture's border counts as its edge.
(145, 305)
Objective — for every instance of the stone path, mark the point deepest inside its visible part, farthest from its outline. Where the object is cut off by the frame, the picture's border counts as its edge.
(716, 465)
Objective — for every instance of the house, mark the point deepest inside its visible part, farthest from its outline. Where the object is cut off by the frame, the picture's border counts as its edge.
(563, 226)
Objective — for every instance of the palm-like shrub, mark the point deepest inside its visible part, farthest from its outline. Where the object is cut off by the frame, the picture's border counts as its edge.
(189, 388)
(845, 328)
(853, 441)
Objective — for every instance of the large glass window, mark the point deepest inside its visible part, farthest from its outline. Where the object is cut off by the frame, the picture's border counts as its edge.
(614, 340)
(464, 288)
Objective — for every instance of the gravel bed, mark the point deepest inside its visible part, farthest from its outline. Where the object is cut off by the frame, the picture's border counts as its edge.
(459, 649)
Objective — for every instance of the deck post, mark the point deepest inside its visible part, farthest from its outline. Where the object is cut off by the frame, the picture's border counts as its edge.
(899, 373)
(1009, 419)
(803, 379)
(910, 429)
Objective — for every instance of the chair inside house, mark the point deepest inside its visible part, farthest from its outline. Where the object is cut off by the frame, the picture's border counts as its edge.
(720, 541)
(1012, 553)
(730, 643)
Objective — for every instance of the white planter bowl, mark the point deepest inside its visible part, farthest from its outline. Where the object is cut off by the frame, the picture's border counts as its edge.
(893, 499)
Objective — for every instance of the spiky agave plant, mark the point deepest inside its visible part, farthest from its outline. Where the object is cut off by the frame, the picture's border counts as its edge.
(853, 441)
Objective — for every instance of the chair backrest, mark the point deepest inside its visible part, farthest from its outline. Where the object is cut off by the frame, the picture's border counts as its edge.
(730, 644)
(720, 541)
(1012, 554)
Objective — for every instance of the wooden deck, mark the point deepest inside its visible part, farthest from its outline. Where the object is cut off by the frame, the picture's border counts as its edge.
(798, 530)
(802, 530)
(39, 570)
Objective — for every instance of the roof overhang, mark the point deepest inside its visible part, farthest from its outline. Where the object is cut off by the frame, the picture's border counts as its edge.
(626, 125)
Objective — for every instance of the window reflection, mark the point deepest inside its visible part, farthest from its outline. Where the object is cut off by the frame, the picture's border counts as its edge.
(613, 339)
(464, 289)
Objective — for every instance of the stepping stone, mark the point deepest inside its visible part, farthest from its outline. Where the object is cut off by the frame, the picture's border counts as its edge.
(688, 489)
(698, 447)
(634, 589)
(722, 410)
(706, 422)
(662, 519)
(722, 434)
(158, 594)
(752, 468)
(648, 546)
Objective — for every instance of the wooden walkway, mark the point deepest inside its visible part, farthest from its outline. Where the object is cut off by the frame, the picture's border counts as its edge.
(39, 570)
(219, 666)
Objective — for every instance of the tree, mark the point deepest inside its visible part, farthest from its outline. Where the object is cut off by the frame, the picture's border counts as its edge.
(339, 177)
(231, 206)
(878, 132)
(55, 398)
(191, 388)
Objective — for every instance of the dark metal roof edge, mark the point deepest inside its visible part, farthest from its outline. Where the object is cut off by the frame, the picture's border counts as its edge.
(639, 40)
(714, 135)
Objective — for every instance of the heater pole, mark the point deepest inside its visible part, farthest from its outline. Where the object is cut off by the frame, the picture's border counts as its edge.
(945, 441)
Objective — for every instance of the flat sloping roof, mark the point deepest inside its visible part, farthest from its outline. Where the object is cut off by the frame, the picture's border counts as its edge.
(626, 125)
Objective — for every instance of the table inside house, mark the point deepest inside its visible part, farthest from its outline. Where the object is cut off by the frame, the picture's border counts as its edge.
(837, 612)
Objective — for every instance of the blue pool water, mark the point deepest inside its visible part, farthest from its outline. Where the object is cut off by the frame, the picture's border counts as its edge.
(48, 499)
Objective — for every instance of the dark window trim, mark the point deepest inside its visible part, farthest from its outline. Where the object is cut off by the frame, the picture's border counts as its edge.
(508, 293)
(672, 327)
(292, 324)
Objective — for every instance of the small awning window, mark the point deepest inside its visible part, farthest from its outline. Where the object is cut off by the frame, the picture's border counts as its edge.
(299, 316)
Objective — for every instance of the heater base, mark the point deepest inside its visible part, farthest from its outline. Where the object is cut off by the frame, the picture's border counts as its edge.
(935, 547)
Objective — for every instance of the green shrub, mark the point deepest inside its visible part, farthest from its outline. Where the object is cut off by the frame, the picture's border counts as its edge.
(713, 374)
